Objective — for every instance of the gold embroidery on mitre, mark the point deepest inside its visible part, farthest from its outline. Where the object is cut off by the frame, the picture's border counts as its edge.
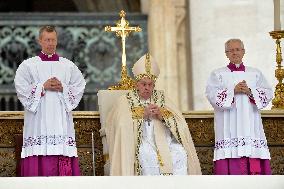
(141, 76)
(148, 64)
(137, 113)
(147, 69)
(166, 113)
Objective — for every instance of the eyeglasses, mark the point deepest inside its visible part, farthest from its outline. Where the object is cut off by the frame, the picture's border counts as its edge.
(234, 50)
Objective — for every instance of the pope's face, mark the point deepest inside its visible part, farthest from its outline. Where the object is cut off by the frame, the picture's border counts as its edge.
(145, 87)
(48, 42)
(235, 52)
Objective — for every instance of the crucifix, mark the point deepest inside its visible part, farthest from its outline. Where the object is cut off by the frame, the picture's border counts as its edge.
(122, 29)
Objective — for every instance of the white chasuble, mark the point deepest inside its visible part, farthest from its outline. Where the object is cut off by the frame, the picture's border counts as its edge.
(149, 147)
(48, 124)
(237, 121)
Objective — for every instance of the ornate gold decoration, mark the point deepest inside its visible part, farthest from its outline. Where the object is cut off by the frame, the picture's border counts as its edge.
(85, 159)
(137, 112)
(202, 131)
(84, 128)
(148, 70)
(7, 162)
(205, 156)
(277, 166)
(123, 30)
(11, 123)
(160, 158)
(278, 101)
(148, 64)
(200, 124)
(166, 113)
(140, 76)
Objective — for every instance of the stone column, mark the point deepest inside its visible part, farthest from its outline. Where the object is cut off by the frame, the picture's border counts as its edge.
(183, 55)
(167, 43)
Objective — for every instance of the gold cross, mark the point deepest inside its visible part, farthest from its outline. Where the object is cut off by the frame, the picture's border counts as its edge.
(122, 29)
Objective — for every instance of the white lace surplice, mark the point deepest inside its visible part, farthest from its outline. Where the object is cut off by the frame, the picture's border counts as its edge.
(148, 152)
(48, 124)
(238, 125)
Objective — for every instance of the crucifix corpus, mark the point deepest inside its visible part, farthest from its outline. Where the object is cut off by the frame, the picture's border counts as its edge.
(122, 29)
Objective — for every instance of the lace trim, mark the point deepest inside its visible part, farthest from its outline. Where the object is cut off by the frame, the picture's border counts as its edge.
(236, 142)
(221, 98)
(49, 140)
(262, 96)
(71, 97)
(31, 97)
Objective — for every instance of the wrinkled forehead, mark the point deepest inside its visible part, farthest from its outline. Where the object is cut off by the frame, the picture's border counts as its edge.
(145, 80)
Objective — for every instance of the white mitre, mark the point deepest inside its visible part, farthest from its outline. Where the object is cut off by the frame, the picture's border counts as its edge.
(146, 66)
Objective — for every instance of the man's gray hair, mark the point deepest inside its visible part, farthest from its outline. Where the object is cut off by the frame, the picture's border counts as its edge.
(233, 40)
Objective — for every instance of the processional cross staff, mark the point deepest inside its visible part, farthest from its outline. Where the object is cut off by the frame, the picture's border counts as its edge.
(122, 29)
